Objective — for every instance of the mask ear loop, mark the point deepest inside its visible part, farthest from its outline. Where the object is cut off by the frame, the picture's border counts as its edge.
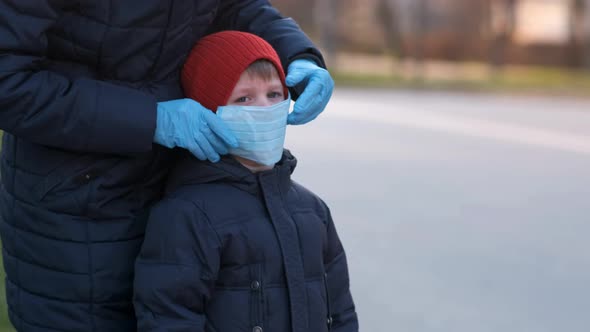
(290, 105)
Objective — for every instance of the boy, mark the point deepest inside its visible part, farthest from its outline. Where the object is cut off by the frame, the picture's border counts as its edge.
(237, 245)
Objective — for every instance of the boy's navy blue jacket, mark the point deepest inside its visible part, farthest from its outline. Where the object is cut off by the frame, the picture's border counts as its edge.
(228, 250)
(79, 83)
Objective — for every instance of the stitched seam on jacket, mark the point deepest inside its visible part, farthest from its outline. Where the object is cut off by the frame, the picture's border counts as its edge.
(307, 211)
(274, 285)
(141, 236)
(90, 264)
(30, 14)
(42, 266)
(239, 220)
(343, 323)
(72, 41)
(61, 213)
(164, 37)
(110, 24)
(207, 219)
(165, 263)
(335, 258)
(32, 324)
(50, 298)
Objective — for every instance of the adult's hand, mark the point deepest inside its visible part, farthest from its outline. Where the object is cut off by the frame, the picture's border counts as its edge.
(187, 124)
(318, 90)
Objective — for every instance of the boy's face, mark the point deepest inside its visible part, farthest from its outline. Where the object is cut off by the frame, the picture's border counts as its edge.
(256, 91)
(252, 90)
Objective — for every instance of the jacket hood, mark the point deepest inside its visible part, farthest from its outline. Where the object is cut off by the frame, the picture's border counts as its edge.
(189, 170)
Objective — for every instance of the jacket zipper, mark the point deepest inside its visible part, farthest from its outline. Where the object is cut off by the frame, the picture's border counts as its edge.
(256, 288)
(328, 308)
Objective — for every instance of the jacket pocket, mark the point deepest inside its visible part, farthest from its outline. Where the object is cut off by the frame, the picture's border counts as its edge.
(68, 188)
(67, 176)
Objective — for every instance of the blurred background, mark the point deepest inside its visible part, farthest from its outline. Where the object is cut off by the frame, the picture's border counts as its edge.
(455, 157)
(540, 45)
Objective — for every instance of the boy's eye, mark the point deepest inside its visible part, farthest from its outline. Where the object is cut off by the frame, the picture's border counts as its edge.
(241, 100)
(275, 94)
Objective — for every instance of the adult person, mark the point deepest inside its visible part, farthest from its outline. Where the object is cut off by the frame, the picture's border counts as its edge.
(86, 89)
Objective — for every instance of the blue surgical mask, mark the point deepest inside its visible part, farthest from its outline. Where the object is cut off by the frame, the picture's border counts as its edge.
(260, 130)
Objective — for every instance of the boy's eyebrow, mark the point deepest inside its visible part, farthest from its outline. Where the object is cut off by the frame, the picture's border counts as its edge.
(276, 86)
(243, 89)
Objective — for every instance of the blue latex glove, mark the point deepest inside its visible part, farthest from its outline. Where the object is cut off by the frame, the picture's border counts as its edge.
(316, 94)
(187, 124)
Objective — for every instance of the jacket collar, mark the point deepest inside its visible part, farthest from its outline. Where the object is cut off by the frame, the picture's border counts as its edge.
(188, 170)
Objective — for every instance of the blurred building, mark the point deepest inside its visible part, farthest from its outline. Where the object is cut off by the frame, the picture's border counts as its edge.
(542, 22)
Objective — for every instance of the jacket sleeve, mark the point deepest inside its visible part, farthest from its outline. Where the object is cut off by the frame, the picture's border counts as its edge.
(45, 107)
(176, 269)
(261, 18)
(341, 305)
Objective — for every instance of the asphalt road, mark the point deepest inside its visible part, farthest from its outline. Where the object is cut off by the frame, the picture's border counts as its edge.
(459, 213)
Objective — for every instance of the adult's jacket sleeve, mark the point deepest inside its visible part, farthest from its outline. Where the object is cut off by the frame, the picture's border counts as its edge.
(176, 269)
(47, 108)
(261, 18)
(341, 305)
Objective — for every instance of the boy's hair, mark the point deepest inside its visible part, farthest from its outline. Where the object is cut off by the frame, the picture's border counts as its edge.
(262, 68)
(217, 61)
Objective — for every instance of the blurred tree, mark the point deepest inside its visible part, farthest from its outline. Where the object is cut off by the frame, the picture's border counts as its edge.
(324, 15)
(503, 22)
(578, 41)
(421, 19)
(470, 28)
(585, 28)
(387, 15)
(299, 10)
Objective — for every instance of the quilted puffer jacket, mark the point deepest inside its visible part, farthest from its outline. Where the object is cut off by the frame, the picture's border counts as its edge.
(79, 83)
(228, 250)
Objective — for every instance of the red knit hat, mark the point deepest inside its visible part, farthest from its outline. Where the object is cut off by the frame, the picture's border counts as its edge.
(217, 61)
